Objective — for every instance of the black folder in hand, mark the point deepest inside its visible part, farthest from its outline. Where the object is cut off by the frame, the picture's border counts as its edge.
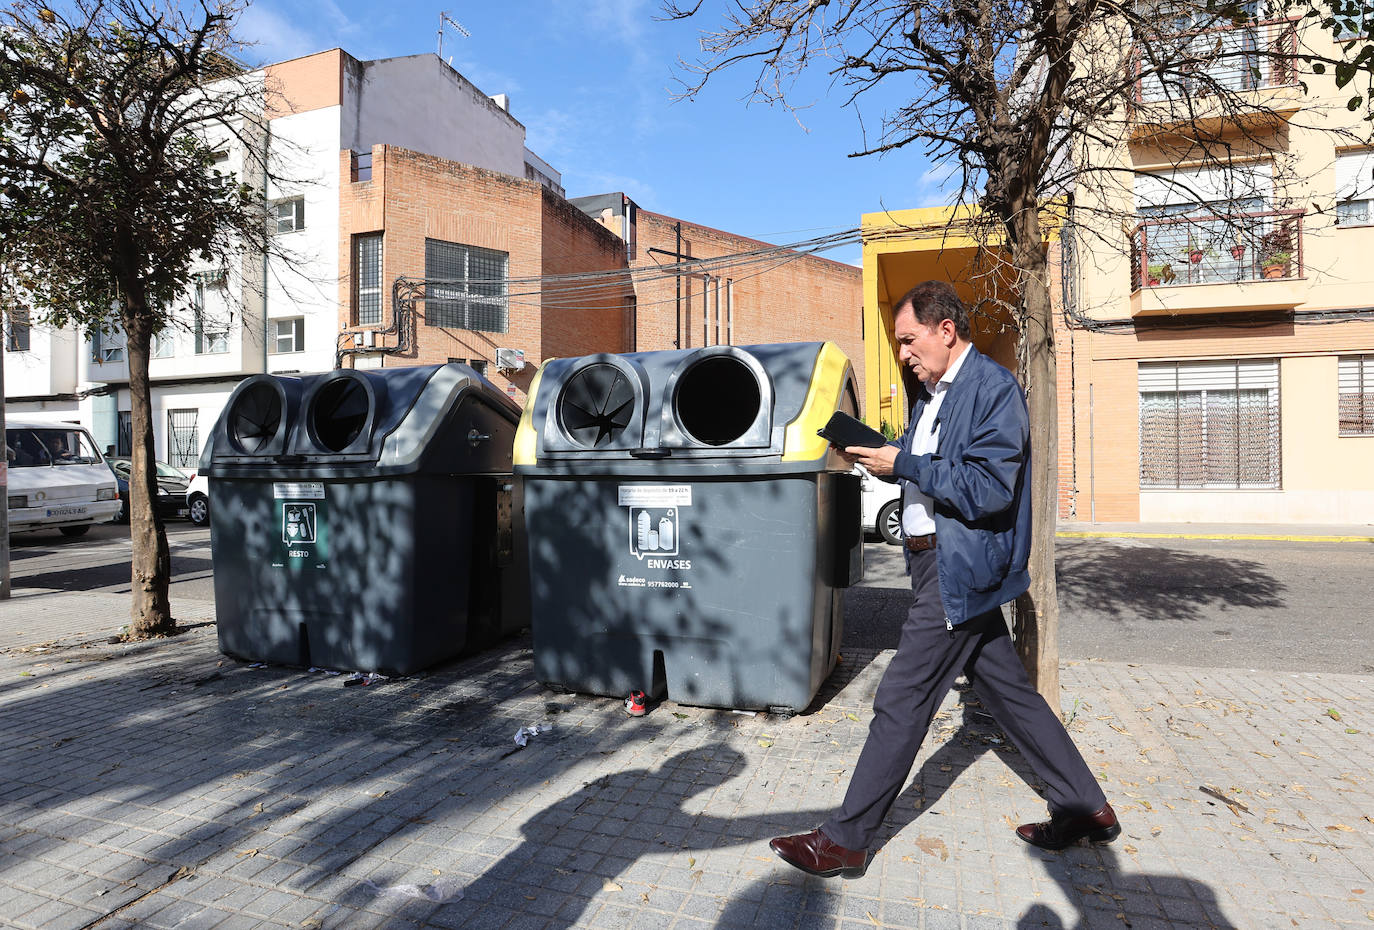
(843, 431)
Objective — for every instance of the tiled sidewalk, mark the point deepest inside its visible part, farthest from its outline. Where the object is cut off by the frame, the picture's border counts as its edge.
(167, 786)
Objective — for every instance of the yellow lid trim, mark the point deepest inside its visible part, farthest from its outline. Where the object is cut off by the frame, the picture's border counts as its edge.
(800, 442)
(526, 448)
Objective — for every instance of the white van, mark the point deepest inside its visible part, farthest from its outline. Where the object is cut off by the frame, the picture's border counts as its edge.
(57, 478)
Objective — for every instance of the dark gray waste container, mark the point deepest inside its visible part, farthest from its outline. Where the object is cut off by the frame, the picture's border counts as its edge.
(688, 530)
(366, 519)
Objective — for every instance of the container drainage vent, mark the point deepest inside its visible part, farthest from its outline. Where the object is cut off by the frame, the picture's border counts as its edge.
(717, 400)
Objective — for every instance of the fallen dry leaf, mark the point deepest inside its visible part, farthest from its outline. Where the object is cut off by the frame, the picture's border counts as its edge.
(609, 885)
(1342, 827)
(933, 846)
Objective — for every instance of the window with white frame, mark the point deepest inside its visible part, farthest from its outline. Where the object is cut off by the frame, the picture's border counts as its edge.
(164, 346)
(108, 348)
(472, 294)
(289, 214)
(367, 279)
(1209, 424)
(1355, 390)
(1355, 188)
(212, 336)
(289, 335)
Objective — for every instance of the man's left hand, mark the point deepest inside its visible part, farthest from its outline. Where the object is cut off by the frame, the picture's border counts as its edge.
(878, 461)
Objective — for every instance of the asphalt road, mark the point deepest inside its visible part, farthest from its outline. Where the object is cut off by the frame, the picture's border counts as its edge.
(1289, 606)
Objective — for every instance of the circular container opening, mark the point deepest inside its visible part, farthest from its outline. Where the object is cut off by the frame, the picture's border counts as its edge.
(597, 405)
(255, 418)
(717, 400)
(339, 413)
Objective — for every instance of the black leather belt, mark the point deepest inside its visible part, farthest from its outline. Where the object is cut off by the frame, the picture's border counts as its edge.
(920, 543)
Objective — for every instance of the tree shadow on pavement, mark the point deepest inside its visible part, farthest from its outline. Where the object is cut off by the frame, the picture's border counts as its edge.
(1122, 581)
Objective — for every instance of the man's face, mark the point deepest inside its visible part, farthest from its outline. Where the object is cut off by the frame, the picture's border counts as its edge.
(926, 350)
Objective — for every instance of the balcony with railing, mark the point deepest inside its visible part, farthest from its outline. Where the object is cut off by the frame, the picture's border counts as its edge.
(1241, 261)
(1177, 70)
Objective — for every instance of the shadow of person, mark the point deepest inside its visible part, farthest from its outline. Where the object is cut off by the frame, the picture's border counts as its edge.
(577, 847)
(1120, 897)
(976, 734)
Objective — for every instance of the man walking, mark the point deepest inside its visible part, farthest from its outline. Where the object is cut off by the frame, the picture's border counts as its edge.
(964, 467)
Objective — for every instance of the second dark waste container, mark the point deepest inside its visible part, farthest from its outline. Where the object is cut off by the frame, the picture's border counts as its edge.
(365, 519)
(689, 533)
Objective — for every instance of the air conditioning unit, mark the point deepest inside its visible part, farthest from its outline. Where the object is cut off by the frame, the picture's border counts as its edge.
(510, 359)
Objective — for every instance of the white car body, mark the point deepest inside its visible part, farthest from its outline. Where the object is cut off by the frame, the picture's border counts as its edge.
(880, 500)
(198, 499)
(68, 493)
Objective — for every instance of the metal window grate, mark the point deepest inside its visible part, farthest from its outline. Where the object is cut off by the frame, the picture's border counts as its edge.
(367, 279)
(1212, 424)
(1355, 393)
(17, 329)
(473, 293)
(183, 441)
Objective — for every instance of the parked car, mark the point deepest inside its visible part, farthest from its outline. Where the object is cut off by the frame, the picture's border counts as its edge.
(171, 489)
(198, 499)
(57, 479)
(882, 505)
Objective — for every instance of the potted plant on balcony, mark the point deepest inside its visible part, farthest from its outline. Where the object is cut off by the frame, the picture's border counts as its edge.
(1195, 252)
(1276, 252)
(1238, 250)
(1154, 274)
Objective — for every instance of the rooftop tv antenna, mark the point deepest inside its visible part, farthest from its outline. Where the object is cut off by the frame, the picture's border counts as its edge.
(445, 19)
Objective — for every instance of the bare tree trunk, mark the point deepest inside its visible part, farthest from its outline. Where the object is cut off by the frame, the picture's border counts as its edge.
(151, 561)
(1036, 613)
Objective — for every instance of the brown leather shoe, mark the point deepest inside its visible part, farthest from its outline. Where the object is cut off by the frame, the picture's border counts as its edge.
(815, 853)
(1059, 832)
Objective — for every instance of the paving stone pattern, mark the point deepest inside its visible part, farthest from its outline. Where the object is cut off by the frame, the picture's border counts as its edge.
(167, 786)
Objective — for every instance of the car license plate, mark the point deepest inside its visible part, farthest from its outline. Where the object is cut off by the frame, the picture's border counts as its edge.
(182, 511)
(75, 510)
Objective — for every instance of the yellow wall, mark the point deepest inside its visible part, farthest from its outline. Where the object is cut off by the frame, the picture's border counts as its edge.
(902, 248)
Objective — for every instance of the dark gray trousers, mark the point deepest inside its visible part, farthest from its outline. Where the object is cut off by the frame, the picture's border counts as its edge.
(928, 659)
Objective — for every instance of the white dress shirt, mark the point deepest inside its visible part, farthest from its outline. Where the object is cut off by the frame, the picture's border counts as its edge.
(918, 511)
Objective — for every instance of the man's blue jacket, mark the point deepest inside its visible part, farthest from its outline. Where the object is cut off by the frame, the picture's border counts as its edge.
(979, 480)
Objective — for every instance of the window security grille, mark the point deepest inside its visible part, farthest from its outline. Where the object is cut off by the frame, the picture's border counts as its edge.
(367, 279)
(1212, 424)
(124, 442)
(183, 441)
(17, 329)
(1355, 389)
(473, 293)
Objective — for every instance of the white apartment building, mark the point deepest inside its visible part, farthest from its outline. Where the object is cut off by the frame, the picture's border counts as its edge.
(279, 315)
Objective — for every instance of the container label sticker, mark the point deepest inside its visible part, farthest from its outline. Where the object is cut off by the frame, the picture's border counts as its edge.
(298, 490)
(655, 495)
(655, 523)
(304, 536)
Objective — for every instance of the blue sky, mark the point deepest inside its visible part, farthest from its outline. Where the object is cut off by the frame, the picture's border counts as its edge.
(593, 80)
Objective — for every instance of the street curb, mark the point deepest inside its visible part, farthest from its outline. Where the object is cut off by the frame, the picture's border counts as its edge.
(1076, 534)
